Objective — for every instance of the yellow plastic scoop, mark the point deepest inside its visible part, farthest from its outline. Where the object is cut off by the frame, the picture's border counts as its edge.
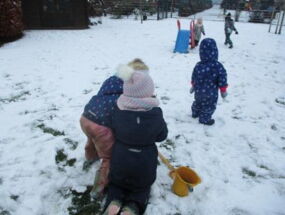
(184, 178)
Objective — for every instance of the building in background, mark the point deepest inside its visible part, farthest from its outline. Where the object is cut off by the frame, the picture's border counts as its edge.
(55, 14)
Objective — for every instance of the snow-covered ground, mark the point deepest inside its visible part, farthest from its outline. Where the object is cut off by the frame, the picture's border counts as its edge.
(48, 76)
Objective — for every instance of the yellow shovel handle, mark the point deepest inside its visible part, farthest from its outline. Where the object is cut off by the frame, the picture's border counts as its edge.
(165, 161)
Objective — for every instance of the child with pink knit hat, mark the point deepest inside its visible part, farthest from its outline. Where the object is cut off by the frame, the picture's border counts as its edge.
(137, 123)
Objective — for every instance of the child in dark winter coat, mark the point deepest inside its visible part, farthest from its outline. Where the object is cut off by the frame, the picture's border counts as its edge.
(208, 77)
(95, 123)
(137, 124)
(229, 28)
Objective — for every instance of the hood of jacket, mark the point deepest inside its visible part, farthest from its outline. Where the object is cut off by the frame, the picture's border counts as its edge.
(208, 50)
(111, 86)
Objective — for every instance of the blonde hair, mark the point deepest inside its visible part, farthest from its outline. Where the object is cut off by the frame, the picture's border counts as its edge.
(138, 64)
(200, 21)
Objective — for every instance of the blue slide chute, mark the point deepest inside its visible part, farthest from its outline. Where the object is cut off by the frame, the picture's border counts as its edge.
(182, 41)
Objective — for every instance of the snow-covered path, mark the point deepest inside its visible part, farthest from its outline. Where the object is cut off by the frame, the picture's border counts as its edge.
(47, 77)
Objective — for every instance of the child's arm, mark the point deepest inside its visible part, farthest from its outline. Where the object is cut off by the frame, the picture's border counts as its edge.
(164, 131)
(233, 27)
(222, 80)
(203, 30)
(163, 134)
(192, 90)
(193, 78)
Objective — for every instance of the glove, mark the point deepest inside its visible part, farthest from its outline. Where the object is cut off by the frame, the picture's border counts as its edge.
(192, 90)
(224, 94)
(236, 32)
(204, 34)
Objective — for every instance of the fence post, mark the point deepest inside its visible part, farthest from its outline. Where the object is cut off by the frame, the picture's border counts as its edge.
(171, 8)
(277, 25)
(280, 28)
(141, 11)
(271, 19)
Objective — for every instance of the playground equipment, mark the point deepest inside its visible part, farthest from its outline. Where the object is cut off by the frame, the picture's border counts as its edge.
(184, 38)
(184, 178)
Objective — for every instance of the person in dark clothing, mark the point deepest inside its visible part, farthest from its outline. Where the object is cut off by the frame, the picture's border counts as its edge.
(229, 28)
(208, 77)
(137, 124)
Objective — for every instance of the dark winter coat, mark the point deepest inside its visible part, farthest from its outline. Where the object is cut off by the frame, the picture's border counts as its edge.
(229, 25)
(101, 106)
(209, 74)
(134, 156)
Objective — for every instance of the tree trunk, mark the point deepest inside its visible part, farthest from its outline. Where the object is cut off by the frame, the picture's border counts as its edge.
(11, 24)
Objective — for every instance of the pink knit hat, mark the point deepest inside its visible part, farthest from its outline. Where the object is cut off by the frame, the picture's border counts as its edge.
(138, 90)
(140, 85)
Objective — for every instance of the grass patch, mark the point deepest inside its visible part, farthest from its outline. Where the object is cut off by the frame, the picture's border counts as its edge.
(61, 159)
(72, 144)
(14, 197)
(168, 144)
(87, 91)
(274, 127)
(4, 212)
(71, 162)
(264, 167)
(49, 130)
(165, 98)
(16, 98)
(248, 172)
(83, 204)
(87, 165)
(60, 156)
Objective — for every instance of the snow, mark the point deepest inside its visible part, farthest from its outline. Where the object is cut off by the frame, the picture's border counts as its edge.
(48, 76)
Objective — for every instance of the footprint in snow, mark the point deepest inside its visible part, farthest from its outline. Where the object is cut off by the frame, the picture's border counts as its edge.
(210, 131)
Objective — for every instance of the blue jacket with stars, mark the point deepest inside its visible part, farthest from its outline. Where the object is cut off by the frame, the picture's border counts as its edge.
(101, 106)
(209, 74)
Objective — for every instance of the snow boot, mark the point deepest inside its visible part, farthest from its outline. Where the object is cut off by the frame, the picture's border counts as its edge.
(210, 122)
(113, 208)
(231, 46)
(130, 209)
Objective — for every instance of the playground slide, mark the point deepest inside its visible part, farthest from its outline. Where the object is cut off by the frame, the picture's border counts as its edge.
(182, 41)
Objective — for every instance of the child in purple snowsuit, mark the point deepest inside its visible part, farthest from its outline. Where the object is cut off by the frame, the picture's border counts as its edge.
(208, 77)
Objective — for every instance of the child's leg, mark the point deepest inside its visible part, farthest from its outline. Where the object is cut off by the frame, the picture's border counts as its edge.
(115, 194)
(102, 139)
(103, 145)
(90, 151)
(207, 110)
(228, 39)
(196, 42)
(196, 107)
(113, 208)
(131, 208)
(138, 201)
